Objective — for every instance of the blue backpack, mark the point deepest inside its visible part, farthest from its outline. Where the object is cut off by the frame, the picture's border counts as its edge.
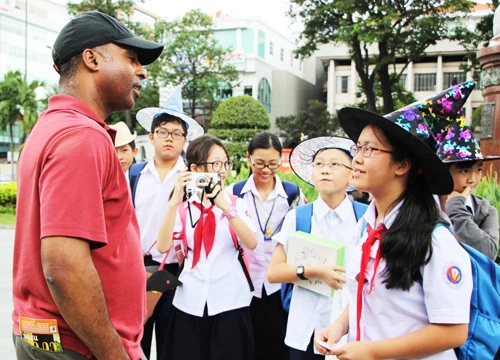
(291, 190)
(483, 338)
(303, 215)
(134, 174)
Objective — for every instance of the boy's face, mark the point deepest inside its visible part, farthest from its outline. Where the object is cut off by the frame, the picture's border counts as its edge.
(463, 177)
(166, 146)
(332, 171)
(126, 156)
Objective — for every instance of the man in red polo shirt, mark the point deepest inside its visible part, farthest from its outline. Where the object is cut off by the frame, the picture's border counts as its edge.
(79, 280)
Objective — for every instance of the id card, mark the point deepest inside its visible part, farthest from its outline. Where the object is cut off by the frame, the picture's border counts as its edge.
(41, 333)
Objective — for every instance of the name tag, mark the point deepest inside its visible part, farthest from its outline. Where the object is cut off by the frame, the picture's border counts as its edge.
(41, 333)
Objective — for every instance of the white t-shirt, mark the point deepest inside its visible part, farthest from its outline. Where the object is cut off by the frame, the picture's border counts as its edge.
(151, 203)
(389, 313)
(217, 280)
(309, 311)
(274, 208)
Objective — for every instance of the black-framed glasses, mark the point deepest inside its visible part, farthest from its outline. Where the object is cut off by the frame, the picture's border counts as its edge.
(163, 134)
(333, 165)
(366, 150)
(260, 166)
(217, 165)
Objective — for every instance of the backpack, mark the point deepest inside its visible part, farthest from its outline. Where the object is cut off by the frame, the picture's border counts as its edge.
(483, 338)
(291, 190)
(303, 215)
(134, 173)
(241, 253)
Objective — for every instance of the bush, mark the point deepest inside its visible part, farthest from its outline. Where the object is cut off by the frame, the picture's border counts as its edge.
(8, 197)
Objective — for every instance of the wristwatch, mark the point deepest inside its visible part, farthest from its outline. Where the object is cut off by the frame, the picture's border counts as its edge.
(231, 213)
(300, 272)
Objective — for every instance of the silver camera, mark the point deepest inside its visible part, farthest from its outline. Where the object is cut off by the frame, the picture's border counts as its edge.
(200, 181)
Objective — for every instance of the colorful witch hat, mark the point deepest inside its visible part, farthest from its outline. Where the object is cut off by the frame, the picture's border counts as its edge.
(458, 144)
(302, 155)
(173, 107)
(412, 125)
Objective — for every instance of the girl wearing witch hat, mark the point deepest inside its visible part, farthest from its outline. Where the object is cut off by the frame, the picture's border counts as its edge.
(474, 219)
(324, 162)
(409, 280)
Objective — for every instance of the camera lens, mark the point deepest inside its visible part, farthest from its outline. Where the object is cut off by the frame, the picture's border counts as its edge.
(201, 181)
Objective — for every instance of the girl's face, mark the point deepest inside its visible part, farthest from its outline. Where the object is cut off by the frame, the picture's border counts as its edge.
(332, 171)
(216, 162)
(376, 172)
(259, 159)
(466, 176)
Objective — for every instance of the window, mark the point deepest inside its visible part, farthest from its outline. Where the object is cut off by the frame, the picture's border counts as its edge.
(247, 40)
(425, 82)
(271, 48)
(449, 76)
(343, 84)
(262, 45)
(402, 80)
(282, 54)
(248, 90)
(264, 95)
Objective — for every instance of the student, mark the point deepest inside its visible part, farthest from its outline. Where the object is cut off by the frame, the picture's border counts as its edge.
(474, 219)
(268, 199)
(125, 145)
(324, 162)
(409, 280)
(211, 308)
(151, 185)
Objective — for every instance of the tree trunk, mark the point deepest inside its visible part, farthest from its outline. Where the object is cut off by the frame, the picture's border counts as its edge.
(129, 120)
(366, 80)
(12, 159)
(385, 79)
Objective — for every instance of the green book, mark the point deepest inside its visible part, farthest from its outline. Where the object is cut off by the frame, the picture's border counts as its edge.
(307, 249)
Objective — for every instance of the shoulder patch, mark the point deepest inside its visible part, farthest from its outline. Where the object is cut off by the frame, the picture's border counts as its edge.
(452, 275)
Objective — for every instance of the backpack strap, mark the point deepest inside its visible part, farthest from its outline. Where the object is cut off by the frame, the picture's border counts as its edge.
(359, 209)
(134, 173)
(237, 187)
(303, 215)
(292, 191)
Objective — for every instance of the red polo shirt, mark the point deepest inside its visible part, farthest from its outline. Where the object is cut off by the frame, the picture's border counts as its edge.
(71, 184)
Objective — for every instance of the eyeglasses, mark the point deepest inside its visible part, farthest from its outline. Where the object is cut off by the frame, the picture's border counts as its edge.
(217, 165)
(176, 135)
(260, 166)
(366, 150)
(333, 165)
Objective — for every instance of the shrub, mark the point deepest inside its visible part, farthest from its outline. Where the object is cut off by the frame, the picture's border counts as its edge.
(8, 197)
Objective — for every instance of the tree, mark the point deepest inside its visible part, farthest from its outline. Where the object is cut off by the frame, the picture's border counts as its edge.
(236, 121)
(313, 122)
(192, 58)
(18, 104)
(378, 33)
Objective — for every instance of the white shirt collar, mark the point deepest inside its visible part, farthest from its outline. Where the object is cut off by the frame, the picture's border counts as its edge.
(150, 166)
(388, 219)
(278, 190)
(344, 210)
(468, 202)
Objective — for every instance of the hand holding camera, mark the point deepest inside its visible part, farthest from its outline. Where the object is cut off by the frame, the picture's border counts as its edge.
(202, 181)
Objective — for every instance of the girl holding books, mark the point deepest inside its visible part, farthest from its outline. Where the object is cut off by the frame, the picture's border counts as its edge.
(409, 280)
(211, 317)
(324, 162)
(268, 199)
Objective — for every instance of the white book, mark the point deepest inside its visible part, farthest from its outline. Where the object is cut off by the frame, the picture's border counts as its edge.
(306, 249)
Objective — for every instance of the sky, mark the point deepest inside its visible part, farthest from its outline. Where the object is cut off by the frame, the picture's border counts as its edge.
(271, 12)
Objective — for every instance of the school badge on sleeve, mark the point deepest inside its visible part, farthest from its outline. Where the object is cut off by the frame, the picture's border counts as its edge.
(41, 333)
(452, 275)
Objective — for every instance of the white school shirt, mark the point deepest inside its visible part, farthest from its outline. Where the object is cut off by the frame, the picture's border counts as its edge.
(309, 311)
(391, 313)
(217, 281)
(260, 257)
(151, 203)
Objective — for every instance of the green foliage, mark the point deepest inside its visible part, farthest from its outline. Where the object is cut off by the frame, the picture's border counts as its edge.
(7, 218)
(236, 121)
(315, 121)
(192, 58)
(8, 195)
(112, 8)
(476, 118)
(399, 32)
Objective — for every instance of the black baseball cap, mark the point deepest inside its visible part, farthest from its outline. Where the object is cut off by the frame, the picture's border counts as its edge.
(94, 28)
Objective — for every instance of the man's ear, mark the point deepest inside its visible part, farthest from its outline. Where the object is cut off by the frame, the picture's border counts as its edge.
(135, 151)
(89, 59)
(150, 136)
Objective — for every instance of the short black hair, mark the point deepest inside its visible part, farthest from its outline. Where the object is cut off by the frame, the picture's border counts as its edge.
(166, 118)
(463, 164)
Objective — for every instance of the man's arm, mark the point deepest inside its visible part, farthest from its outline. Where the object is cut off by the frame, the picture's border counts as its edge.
(76, 288)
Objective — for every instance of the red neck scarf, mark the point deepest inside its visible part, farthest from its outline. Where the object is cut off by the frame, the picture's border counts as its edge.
(373, 235)
(203, 232)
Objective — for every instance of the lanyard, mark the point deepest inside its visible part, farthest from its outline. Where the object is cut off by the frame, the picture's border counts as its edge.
(264, 230)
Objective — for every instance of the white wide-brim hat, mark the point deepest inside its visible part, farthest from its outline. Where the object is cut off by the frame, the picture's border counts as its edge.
(123, 134)
(302, 155)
